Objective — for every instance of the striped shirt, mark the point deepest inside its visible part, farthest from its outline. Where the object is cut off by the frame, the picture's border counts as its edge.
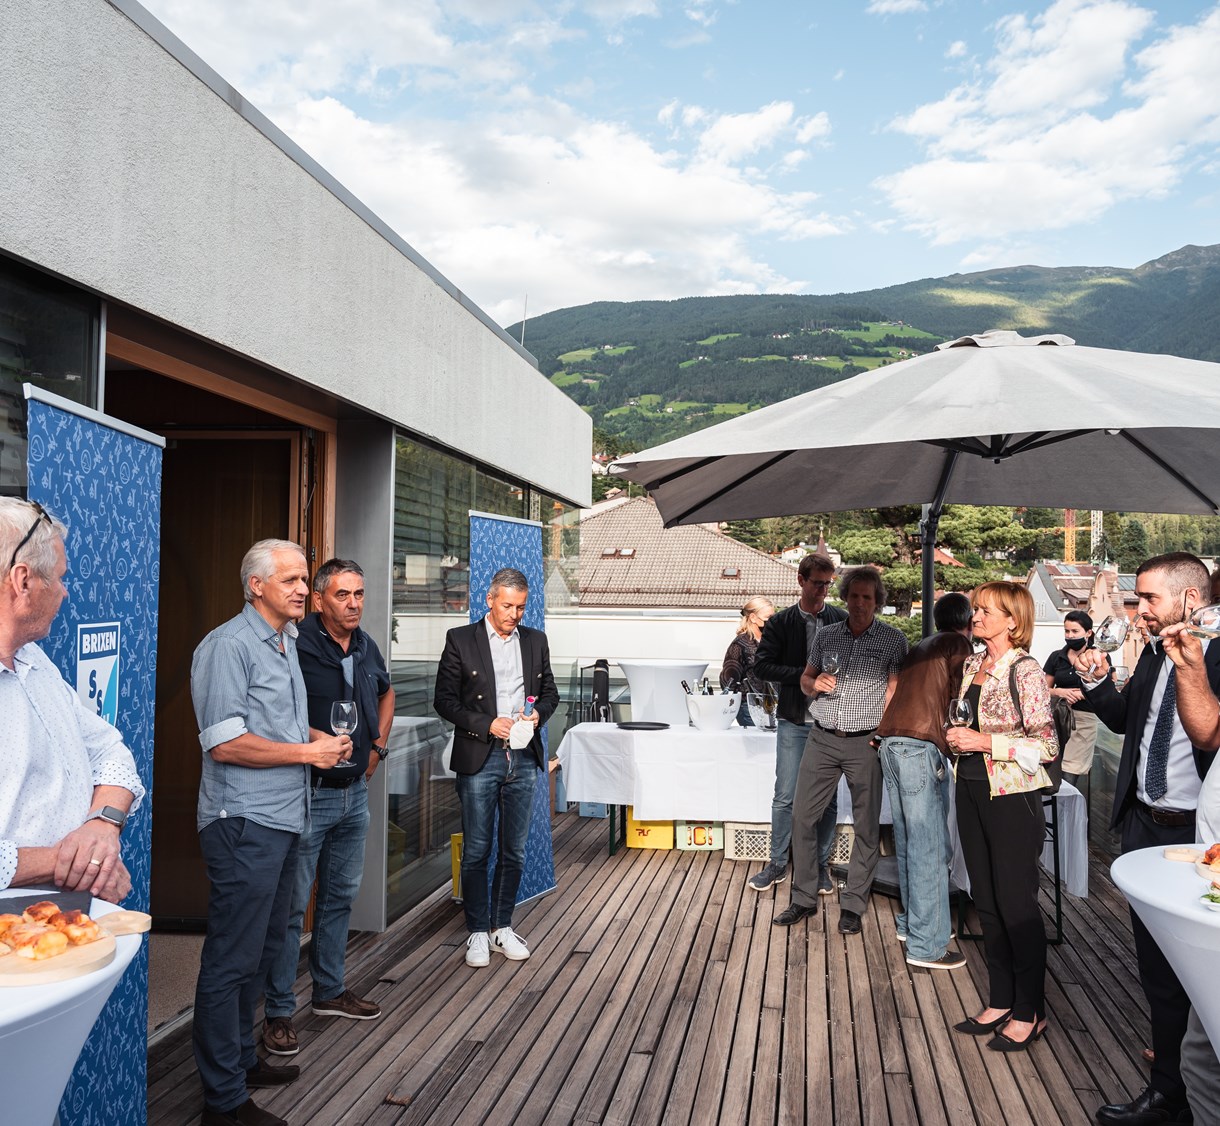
(242, 683)
(865, 666)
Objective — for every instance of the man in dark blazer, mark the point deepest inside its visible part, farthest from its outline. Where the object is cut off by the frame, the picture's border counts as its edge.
(1155, 798)
(491, 674)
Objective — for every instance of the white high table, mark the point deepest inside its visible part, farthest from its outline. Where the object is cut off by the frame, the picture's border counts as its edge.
(1165, 894)
(44, 1027)
(684, 773)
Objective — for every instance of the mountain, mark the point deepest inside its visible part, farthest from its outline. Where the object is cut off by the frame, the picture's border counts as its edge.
(648, 371)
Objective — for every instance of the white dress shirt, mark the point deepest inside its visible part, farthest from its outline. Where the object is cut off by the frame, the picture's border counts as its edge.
(506, 665)
(53, 753)
(1181, 774)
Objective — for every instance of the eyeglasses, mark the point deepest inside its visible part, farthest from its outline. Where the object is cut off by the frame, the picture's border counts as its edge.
(42, 515)
(819, 582)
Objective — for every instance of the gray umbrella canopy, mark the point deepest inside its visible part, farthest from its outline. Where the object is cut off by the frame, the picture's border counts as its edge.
(992, 419)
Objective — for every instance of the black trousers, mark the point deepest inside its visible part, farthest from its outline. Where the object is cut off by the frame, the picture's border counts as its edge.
(1168, 1004)
(1002, 839)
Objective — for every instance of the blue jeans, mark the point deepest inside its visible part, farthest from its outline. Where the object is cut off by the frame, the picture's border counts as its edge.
(918, 781)
(332, 847)
(789, 747)
(251, 869)
(496, 788)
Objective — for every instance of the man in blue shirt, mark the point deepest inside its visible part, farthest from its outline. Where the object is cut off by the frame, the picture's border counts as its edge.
(339, 661)
(253, 803)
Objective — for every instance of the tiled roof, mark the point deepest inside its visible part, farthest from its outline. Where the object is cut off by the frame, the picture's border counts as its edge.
(628, 559)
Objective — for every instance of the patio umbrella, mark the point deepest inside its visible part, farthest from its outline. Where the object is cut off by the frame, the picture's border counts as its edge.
(991, 419)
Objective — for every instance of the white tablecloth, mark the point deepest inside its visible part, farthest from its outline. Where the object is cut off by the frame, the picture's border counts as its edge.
(44, 1027)
(730, 776)
(1165, 895)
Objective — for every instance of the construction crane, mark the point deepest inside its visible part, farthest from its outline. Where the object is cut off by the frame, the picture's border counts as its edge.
(1069, 535)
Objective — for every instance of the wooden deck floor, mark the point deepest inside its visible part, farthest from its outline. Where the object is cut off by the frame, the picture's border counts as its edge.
(659, 992)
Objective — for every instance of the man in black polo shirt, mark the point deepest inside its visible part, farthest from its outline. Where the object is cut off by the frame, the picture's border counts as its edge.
(339, 661)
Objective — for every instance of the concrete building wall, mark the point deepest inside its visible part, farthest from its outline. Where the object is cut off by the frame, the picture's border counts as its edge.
(148, 180)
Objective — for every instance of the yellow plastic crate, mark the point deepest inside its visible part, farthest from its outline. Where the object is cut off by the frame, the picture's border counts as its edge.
(648, 834)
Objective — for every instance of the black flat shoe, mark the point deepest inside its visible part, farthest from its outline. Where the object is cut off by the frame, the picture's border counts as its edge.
(972, 1027)
(1002, 1043)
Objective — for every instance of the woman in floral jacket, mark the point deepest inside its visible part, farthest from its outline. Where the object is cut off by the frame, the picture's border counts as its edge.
(999, 811)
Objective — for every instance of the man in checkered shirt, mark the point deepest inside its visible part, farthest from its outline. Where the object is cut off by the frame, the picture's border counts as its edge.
(847, 707)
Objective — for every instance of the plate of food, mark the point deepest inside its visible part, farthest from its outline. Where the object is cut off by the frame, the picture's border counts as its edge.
(1211, 898)
(47, 943)
(1208, 865)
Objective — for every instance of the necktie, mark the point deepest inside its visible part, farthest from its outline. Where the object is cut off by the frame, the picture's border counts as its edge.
(1158, 746)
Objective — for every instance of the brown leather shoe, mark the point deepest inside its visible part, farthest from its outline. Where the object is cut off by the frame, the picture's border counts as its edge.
(279, 1037)
(348, 1005)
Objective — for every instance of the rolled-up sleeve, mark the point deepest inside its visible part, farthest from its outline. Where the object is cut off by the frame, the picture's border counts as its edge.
(110, 762)
(220, 684)
(8, 862)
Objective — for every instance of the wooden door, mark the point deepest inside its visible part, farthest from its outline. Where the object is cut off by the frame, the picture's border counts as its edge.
(220, 493)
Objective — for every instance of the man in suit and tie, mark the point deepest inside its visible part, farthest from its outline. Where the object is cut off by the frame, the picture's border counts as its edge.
(486, 674)
(1155, 800)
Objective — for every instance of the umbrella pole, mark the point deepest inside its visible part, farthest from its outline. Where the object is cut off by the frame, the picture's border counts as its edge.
(929, 522)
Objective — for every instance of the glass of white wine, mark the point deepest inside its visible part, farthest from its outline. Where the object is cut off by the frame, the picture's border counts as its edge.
(1111, 634)
(961, 713)
(1205, 621)
(831, 663)
(343, 721)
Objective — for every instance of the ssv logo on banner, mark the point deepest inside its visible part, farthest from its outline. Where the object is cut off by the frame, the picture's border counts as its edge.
(97, 668)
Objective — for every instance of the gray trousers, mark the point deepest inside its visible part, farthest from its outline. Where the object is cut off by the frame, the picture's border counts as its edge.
(1201, 1073)
(827, 758)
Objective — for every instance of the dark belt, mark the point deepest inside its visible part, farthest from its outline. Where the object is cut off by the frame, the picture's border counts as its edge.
(1168, 818)
(843, 734)
(335, 783)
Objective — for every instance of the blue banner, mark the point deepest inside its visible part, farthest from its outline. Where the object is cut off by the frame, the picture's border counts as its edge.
(105, 485)
(497, 542)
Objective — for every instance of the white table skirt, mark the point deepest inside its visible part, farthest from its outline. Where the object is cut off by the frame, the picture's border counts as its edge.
(730, 776)
(1165, 894)
(44, 1027)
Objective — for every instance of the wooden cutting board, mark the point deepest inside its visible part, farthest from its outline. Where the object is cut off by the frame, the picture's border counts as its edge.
(76, 960)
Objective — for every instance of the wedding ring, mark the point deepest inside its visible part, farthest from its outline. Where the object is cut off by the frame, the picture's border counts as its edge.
(97, 862)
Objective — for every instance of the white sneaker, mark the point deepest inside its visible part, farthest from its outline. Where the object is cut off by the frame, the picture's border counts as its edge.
(476, 950)
(510, 944)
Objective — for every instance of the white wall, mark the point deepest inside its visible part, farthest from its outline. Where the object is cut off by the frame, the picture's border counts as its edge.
(132, 175)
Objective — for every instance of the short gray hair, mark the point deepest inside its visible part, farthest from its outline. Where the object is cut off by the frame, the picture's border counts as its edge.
(332, 568)
(38, 552)
(508, 577)
(259, 561)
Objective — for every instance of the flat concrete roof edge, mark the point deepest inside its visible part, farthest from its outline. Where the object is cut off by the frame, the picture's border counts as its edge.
(168, 41)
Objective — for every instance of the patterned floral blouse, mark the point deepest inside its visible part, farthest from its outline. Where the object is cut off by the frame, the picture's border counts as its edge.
(998, 717)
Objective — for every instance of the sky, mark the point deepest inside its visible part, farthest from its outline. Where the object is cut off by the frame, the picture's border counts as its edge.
(548, 153)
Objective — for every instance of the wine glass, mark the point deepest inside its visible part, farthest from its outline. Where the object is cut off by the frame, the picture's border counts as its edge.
(1121, 675)
(343, 721)
(831, 663)
(1205, 621)
(961, 712)
(1111, 634)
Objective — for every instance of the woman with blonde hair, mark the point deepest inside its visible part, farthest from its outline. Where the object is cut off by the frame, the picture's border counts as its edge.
(999, 770)
(737, 669)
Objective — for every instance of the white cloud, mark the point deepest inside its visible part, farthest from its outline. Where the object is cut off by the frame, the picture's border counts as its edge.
(956, 49)
(1065, 123)
(895, 7)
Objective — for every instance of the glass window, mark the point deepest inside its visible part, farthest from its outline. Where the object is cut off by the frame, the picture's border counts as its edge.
(48, 337)
(434, 493)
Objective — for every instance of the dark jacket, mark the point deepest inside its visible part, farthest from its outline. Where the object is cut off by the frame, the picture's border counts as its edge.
(466, 691)
(782, 651)
(1126, 713)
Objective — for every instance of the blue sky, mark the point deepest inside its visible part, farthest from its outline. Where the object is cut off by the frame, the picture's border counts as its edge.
(628, 149)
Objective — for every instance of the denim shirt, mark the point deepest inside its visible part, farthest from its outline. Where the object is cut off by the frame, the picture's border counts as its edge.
(242, 683)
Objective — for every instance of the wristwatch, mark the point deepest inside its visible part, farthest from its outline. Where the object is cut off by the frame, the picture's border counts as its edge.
(110, 815)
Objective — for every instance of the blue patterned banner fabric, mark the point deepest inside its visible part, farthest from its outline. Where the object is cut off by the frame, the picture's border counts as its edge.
(105, 485)
(496, 543)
